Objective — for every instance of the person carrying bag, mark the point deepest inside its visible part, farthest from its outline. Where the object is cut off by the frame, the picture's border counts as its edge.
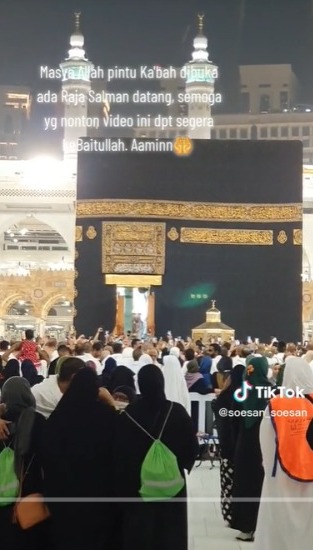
(160, 474)
(8, 480)
(29, 510)
(24, 521)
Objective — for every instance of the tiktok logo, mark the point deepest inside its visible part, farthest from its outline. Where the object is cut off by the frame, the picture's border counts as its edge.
(242, 393)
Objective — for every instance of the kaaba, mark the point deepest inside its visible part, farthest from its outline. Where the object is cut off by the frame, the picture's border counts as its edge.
(222, 223)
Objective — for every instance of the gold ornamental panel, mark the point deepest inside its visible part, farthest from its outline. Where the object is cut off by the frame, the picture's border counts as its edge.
(134, 281)
(78, 233)
(199, 235)
(230, 212)
(297, 237)
(91, 233)
(173, 234)
(133, 248)
(307, 305)
(282, 237)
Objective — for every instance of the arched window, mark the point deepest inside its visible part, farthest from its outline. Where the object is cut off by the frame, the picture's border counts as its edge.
(21, 309)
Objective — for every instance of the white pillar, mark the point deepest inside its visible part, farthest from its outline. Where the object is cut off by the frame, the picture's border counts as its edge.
(2, 328)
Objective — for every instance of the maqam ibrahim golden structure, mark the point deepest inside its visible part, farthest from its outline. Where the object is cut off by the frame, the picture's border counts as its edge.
(213, 329)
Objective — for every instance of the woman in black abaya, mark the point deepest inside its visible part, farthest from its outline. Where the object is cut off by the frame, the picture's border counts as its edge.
(227, 429)
(161, 525)
(26, 428)
(78, 465)
(248, 468)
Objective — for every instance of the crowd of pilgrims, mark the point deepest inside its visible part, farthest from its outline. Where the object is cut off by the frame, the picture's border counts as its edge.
(62, 411)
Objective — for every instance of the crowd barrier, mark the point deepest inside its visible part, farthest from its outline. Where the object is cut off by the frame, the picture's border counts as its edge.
(202, 400)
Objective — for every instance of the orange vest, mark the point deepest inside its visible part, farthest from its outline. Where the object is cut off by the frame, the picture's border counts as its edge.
(292, 449)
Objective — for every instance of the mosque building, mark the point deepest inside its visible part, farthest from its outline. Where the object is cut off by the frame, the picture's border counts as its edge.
(37, 222)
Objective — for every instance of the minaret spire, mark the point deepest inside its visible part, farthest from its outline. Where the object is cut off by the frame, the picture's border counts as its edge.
(77, 21)
(200, 23)
(201, 74)
(76, 79)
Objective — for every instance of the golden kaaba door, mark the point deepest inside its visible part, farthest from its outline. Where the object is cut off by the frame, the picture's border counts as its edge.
(133, 259)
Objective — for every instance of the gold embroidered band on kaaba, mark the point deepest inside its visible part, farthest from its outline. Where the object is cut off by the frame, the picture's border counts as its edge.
(199, 235)
(134, 281)
(232, 212)
(135, 248)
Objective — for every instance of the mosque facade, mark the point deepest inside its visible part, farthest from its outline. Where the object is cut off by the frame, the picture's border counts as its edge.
(37, 225)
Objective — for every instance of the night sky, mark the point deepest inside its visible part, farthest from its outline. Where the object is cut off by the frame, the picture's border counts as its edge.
(130, 32)
(148, 32)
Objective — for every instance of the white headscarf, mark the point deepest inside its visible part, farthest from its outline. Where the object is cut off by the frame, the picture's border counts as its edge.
(127, 353)
(126, 358)
(298, 374)
(308, 357)
(144, 360)
(175, 384)
(175, 351)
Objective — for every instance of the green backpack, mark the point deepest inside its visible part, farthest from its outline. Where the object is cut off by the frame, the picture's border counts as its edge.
(160, 475)
(9, 484)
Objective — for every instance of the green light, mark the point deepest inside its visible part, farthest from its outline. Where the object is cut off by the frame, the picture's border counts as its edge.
(196, 295)
(76, 73)
(200, 78)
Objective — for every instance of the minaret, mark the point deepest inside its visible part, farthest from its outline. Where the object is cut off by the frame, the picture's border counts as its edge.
(200, 79)
(76, 83)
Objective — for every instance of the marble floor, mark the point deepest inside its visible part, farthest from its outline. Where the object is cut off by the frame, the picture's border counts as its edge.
(206, 527)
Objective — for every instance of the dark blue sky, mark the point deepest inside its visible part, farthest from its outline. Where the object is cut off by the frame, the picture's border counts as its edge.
(130, 32)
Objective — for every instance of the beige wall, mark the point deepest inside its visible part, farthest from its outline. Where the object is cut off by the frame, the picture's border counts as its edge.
(42, 288)
(270, 80)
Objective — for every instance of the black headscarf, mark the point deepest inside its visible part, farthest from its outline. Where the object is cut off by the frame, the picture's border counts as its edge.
(127, 391)
(110, 365)
(74, 413)
(151, 385)
(236, 377)
(20, 404)
(226, 397)
(29, 372)
(82, 392)
(109, 368)
(12, 368)
(122, 376)
(225, 364)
